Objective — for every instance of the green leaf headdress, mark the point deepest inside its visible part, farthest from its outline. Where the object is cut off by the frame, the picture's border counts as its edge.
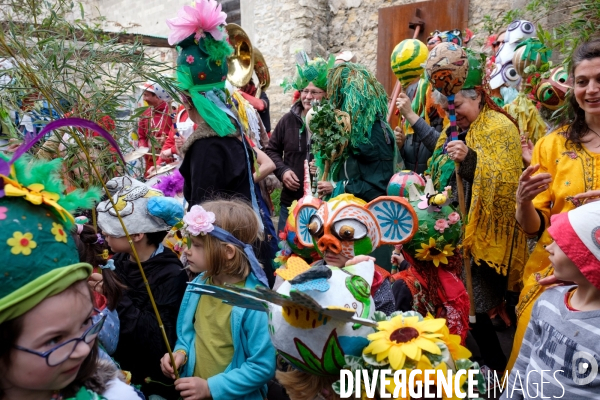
(314, 71)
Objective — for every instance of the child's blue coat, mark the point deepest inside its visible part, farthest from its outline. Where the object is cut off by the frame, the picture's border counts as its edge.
(253, 363)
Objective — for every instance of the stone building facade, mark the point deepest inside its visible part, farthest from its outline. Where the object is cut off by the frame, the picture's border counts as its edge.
(279, 28)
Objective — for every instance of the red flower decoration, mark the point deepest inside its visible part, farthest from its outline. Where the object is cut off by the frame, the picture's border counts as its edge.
(202, 75)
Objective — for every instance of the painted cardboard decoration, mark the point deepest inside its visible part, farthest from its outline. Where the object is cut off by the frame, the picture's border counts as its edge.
(552, 91)
(342, 225)
(407, 60)
(447, 68)
(322, 313)
(504, 72)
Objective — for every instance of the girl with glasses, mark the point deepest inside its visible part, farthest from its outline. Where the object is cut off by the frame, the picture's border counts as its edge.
(48, 334)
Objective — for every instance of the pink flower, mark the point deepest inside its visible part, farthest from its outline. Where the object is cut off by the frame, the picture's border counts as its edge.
(441, 225)
(453, 218)
(189, 59)
(199, 221)
(423, 203)
(3, 211)
(204, 16)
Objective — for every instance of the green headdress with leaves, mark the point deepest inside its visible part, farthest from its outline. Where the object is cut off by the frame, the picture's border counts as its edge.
(354, 90)
(314, 71)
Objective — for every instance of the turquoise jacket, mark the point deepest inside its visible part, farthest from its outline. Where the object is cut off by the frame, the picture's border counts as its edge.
(253, 363)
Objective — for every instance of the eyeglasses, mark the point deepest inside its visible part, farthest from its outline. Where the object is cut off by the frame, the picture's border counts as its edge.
(497, 43)
(313, 93)
(61, 353)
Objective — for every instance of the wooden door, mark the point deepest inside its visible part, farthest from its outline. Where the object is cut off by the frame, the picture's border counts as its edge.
(442, 15)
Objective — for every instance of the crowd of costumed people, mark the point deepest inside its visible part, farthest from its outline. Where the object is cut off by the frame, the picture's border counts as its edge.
(402, 248)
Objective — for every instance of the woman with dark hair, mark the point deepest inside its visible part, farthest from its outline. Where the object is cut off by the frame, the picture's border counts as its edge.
(562, 176)
(489, 155)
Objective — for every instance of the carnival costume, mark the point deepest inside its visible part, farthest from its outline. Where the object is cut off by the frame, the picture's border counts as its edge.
(217, 158)
(290, 138)
(431, 284)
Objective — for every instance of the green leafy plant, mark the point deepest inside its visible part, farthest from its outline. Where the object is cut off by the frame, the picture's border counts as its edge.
(63, 59)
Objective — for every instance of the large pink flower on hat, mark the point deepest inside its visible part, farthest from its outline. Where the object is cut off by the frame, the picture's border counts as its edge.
(205, 16)
(199, 221)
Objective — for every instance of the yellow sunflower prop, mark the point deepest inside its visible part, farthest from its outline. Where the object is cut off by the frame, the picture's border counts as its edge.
(403, 337)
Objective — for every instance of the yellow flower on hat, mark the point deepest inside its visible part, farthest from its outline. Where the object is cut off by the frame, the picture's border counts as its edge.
(21, 243)
(59, 232)
(430, 252)
(35, 194)
(403, 337)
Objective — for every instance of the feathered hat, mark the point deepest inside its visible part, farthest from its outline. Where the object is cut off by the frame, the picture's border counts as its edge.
(39, 257)
(308, 71)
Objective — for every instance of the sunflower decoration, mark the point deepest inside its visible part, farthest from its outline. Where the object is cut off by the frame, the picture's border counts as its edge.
(434, 252)
(405, 337)
(408, 341)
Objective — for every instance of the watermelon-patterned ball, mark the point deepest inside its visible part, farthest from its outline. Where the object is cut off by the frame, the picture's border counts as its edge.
(407, 57)
(400, 182)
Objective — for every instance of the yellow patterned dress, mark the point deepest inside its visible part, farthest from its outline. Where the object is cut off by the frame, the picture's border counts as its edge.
(574, 170)
(492, 234)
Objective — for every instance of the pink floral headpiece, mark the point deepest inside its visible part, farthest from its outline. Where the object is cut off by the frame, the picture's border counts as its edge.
(205, 16)
(198, 221)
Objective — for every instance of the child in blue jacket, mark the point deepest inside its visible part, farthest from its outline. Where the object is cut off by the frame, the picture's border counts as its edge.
(226, 352)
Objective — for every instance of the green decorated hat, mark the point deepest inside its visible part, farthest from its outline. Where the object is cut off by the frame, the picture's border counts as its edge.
(308, 71)
(38, 256)
(201, 38)
(476, 73)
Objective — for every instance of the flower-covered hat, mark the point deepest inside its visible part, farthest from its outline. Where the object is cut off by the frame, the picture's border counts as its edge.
(143, 210)
(201, 38)
(38, 256)
(439, 227)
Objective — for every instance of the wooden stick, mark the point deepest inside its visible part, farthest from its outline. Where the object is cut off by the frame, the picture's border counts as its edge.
(466, 255)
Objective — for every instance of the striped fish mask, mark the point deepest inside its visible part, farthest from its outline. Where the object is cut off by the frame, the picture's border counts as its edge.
(349, 225)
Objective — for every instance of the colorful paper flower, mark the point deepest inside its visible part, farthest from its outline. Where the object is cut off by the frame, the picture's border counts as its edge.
(404, 337)
(21, 243)
(199, 221)
(3, 211)
(441, 225)
(457, 351)
(453, 218)
(202, 76)
(58, 232)
(204, 16)
(189, 59)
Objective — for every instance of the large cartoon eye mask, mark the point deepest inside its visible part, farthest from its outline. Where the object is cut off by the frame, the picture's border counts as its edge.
(349, 229)
(315, 226)
(519, 29)
(504, 74)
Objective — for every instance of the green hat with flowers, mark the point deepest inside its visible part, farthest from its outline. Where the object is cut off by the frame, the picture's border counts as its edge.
(308, 71)
(38, 256)
(201, 38)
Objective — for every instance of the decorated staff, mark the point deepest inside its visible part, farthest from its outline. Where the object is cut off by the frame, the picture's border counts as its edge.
(447, 68)
(406, 61)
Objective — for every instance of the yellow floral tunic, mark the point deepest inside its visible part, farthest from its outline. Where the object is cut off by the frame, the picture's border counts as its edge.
(574, 170)
(492, 234)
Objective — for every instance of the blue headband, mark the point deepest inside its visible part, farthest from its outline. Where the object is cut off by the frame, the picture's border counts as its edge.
(225, 236)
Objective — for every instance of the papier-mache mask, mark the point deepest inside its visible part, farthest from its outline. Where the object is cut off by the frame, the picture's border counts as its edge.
(504, 72)
(551, 92)
(143, 210)
(348, 225)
